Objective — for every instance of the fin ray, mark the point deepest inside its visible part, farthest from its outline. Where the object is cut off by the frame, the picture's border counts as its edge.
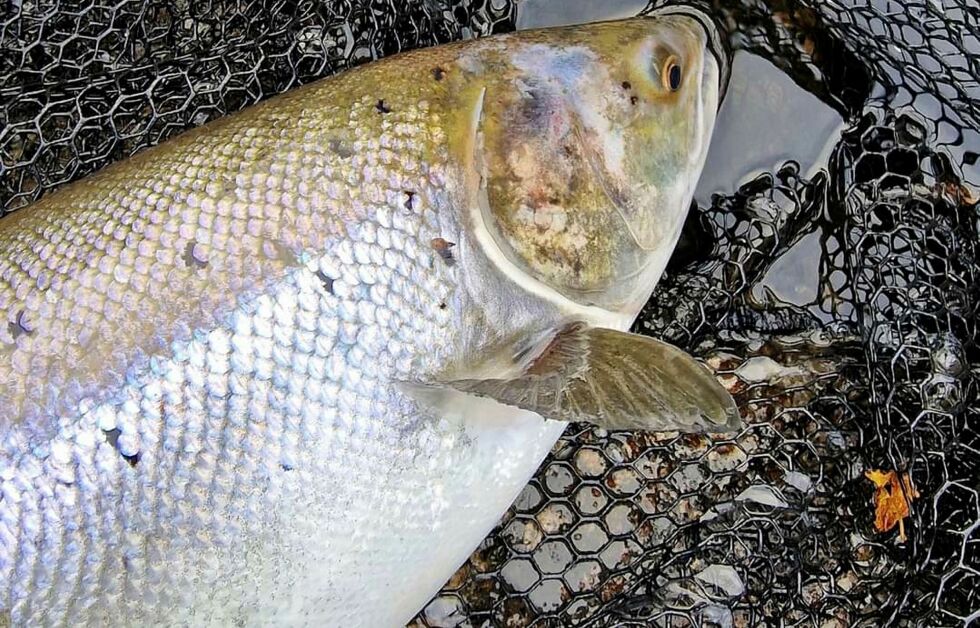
(613, 379)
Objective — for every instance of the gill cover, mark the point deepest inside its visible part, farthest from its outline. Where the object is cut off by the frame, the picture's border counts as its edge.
(589, 152)
(583, 148)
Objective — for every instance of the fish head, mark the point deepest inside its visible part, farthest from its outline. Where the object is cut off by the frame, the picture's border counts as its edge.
(593, 138)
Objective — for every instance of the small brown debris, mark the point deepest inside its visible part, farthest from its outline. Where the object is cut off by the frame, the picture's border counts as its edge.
(409, 200)
(892, 498)
(959, 194)
(445, 249)
(438, 73)
(627, 85)
(382, 107)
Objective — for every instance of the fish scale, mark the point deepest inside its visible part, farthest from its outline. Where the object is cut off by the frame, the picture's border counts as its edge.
(236, 418)
(207, 414)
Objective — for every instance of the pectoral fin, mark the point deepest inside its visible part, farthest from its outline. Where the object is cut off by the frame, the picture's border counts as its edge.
(613, 379)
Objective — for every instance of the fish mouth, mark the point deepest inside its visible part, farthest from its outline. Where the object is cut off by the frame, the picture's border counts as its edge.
(715, 35)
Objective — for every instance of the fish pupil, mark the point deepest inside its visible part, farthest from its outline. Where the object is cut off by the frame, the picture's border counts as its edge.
(674, 77)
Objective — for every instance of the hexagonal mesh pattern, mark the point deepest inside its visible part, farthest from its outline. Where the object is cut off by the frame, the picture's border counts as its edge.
(775, 524)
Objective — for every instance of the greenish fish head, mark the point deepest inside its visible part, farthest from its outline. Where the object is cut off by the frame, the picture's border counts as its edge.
(593, 140)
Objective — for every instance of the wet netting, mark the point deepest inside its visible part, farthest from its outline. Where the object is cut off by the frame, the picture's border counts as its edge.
(852, 496)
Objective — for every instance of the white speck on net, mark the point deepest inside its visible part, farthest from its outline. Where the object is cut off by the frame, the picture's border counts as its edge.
(762, 494)
(724, 577)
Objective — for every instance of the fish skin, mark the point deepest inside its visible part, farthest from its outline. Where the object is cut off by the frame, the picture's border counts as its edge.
(199, 416)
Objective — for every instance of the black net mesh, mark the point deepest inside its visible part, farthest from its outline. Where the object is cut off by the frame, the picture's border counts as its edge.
(879, 372)
(85, 83)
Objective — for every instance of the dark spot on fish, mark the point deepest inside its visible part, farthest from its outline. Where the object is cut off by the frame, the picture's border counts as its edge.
(536, 108)
(443, 305)
(189, 258)
(259, 153)
(634, 100)
(340, 148)
(15, 330)
(627, 85)
(382, 107)
(409, 200)
(275, 250)
(22, 326)
(285, 467)
(438, 73)
(112, 436)
(445, 250)
(326, 281)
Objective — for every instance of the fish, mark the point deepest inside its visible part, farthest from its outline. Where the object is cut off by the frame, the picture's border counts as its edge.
(289, 368)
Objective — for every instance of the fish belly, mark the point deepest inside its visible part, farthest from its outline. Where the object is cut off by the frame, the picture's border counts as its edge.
(392, 551)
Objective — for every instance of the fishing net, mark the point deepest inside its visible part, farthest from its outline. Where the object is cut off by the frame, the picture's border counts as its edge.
(873, 379)
(85, 83)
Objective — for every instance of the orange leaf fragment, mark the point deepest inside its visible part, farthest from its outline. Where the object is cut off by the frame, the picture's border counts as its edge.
(892, 498)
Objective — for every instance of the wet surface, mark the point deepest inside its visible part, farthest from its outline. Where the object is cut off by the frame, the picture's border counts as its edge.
(795, 277)
(829, 274)
(543, 13)
(765, 120)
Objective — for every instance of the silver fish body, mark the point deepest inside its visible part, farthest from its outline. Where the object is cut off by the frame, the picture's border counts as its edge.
(206, 414)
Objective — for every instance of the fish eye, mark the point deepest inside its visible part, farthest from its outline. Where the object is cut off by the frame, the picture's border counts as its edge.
(671, 74)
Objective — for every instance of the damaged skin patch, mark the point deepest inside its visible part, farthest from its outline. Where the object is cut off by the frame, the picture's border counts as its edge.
(544, 198)
(588, 164)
